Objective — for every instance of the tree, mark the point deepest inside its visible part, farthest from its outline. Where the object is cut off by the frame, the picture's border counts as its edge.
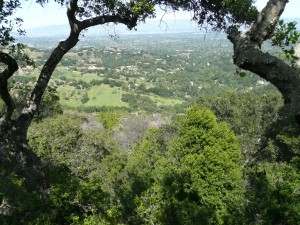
(207, 179)
(217, 14)
(229, 15)
(109, 119)
(249, 116)
(81, 16)
(248, 54)
(14, 151)
(188, 172)
(85, 98)
(9, 50)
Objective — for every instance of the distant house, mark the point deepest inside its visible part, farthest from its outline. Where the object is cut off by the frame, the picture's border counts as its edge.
(92, 67)
(160, 70)
(187, 96)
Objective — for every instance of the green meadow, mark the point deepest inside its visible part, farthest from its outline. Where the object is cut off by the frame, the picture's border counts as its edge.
(101, 95)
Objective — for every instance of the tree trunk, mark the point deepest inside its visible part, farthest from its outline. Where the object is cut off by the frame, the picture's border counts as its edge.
(15, 153)
(249, 56)
(14, 150)
(16, 156)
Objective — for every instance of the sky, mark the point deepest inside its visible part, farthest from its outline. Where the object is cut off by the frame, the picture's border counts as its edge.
(36, 16)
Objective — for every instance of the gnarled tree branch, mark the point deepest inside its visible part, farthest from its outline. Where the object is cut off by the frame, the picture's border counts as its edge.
(266, 21)
(130, 22)
(12, 67)
(76, 26)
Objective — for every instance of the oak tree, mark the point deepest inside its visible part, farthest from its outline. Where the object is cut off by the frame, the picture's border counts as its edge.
(249, 55)
(81, 14)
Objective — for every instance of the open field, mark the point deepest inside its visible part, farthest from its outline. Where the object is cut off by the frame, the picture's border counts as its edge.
(105, 95)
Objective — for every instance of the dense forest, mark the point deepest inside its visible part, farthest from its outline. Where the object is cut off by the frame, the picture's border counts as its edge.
(185, 128)
(228, 160)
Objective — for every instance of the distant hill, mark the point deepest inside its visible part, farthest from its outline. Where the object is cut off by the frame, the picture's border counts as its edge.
(152, 26)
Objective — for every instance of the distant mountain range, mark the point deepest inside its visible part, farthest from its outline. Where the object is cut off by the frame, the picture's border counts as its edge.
(150, 27)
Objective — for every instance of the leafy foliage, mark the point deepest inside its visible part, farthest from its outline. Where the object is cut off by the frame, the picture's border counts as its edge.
(186, 172)
(275, 175)
(209, 157)
(286, 36)
(273, 193)
(13, 192)
(50, 105)
(109, 119)
(7, 24)
(218, 14)
(178, 175)
(7, 8)
(81, 149)
(249, 116)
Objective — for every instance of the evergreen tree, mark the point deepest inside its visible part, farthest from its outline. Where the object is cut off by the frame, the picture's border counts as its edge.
(189, 172)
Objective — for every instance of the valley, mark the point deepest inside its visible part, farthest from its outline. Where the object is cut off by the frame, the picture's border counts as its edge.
(142, 72)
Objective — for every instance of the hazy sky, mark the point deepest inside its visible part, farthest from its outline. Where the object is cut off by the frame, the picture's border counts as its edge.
(36, 16)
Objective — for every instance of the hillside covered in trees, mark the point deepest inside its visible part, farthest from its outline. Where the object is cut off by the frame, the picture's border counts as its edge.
(164, 72)
(196, 168)
(151, 129)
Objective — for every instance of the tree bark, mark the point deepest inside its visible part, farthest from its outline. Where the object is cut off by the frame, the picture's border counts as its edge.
(15, 154)
(249, 56)
(12, 67)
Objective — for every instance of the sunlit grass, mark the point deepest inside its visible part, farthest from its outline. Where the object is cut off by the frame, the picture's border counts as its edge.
(105, 95)
(166, 101)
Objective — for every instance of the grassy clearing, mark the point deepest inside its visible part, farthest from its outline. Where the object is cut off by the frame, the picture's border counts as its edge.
(99, 96)
(69, 96)
(105, 95)
(68, 74)
(166, 101)
(88, 78)
(102, 95)
(34, 54)
(75, 75)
